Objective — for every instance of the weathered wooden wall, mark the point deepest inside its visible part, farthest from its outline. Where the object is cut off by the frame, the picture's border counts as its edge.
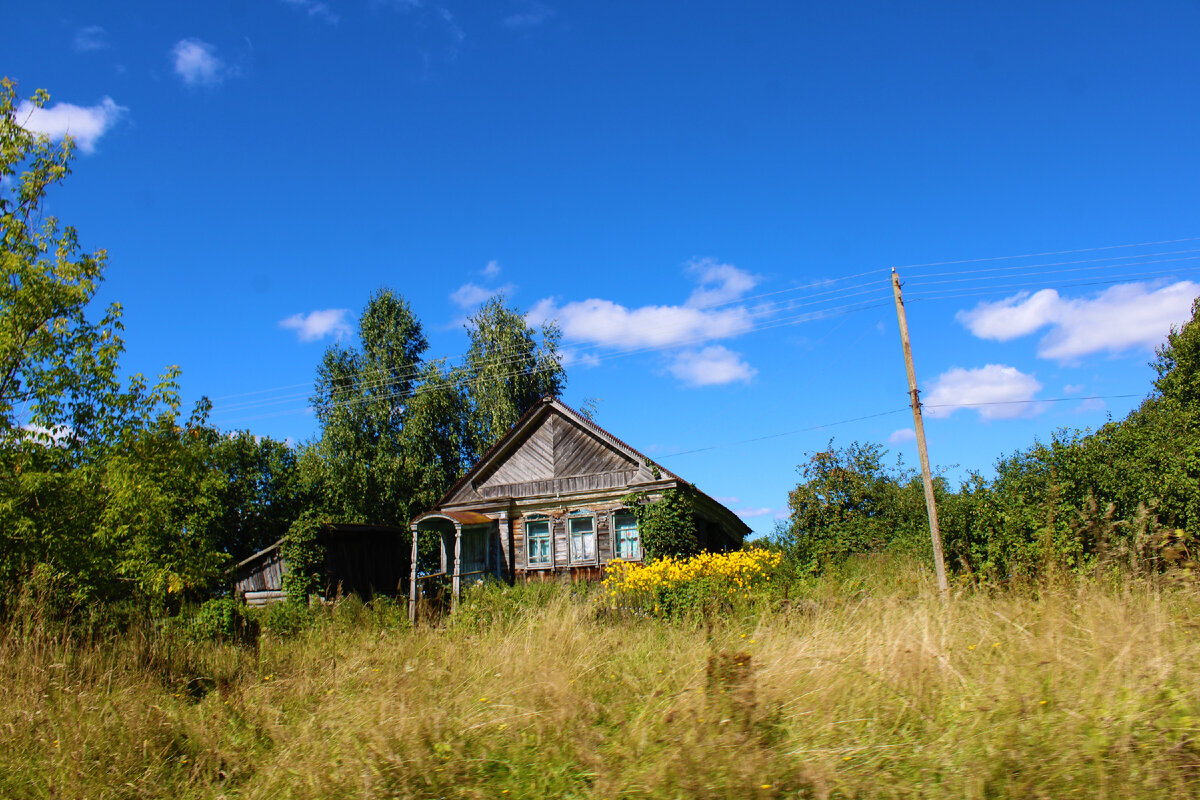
(264, 574)
(556, 456)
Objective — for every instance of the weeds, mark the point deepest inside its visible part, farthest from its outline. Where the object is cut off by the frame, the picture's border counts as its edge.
(862, 684)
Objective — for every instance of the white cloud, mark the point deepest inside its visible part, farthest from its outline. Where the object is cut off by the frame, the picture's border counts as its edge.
(314, 9)
(1123, 317)
(470, 295)
(610, 324)
(83, 124)
(1073, 388)
(718, 283)
(711, 366)
(747, 513)
(903, 435)
(532, 16)
(92, 37)
(1007, 387)
(318, 324)
(197, 63)
(573, 358)
(492, 269)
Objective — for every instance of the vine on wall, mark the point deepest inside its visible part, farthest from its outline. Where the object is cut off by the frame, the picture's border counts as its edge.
(667, 525)
(304, 555)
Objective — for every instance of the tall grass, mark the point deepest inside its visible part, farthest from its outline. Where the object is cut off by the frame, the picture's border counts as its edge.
(861, 684)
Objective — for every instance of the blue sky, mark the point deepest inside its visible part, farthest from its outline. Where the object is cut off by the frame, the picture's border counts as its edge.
(706, 196)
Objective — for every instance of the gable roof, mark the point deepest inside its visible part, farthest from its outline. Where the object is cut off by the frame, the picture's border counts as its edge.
(513, 440)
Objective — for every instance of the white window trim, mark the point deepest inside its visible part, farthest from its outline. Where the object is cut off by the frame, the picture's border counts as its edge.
(595, 559)
(612, 526)
(546, 518)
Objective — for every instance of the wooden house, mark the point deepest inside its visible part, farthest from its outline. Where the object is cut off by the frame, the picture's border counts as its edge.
(547, 501)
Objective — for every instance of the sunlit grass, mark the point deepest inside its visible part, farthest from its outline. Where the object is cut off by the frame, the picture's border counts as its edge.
(863, 684)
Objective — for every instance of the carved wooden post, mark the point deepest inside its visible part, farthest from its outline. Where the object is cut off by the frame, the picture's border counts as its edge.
(506, 554)
(455, 586)
(412, 581)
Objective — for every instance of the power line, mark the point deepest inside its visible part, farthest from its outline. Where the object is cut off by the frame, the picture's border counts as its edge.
(405, 395)
(1047, 253)
(602, 351)
(822, 426)
(752, 314)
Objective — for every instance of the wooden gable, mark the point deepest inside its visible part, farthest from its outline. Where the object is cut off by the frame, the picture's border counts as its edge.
(551, 454)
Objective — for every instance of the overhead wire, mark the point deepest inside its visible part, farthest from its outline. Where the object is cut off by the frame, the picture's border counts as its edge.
(750, 314)
(441, 386)
(763, 316)
(891, 412)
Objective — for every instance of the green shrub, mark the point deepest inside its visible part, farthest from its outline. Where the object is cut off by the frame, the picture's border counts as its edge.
(668, 524)
(284, 619)
(221, 619)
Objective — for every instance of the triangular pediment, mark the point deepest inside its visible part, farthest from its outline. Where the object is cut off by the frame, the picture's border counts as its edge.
(554, 447)
(550, 444)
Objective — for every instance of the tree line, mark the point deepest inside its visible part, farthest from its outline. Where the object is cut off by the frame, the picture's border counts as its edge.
(1125, 496)
(109, 495)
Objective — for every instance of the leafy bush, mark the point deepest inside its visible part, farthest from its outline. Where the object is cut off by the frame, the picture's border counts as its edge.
(667, 524)
(217, 620)
(305, 557)
(284, 620)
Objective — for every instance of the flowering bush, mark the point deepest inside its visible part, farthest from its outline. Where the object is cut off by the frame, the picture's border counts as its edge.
(671, 586)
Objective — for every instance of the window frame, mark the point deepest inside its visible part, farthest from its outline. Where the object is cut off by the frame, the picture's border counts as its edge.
(616, 541)
(583, 514)
(539, 519)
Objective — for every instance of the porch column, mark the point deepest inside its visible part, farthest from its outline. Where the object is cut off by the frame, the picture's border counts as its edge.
(412, 581)
(456, 586)
(506, 555)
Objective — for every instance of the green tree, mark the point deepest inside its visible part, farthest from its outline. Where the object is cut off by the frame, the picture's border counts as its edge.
(361, 465)
(1177, 363)
(259, 493)
(508, 370)
(70, 429)
(849, 502)
(58, 369)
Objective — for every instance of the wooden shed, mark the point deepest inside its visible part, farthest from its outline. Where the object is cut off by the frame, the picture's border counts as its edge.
(547, 502)
(366, 560)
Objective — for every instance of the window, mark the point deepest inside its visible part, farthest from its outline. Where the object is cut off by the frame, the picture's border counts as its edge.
(537, 543)
(628, 545)
(583, 540)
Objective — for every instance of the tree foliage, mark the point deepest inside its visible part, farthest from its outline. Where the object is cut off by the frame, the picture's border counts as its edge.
(397, 431)
(58, 369)
(849, 501)
(392, 427)
(105, 494)
(508, 370)
(1127, 493)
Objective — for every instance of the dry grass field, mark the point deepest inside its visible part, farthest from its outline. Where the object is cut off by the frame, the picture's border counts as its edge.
(863, 684)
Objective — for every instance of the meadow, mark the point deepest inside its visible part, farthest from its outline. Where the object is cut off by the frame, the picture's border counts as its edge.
(863, 682)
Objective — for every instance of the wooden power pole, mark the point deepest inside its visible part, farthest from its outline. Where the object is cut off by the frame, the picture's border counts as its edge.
(935, 532)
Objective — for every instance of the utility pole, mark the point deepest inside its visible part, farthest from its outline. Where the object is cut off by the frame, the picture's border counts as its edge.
(935, 532)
